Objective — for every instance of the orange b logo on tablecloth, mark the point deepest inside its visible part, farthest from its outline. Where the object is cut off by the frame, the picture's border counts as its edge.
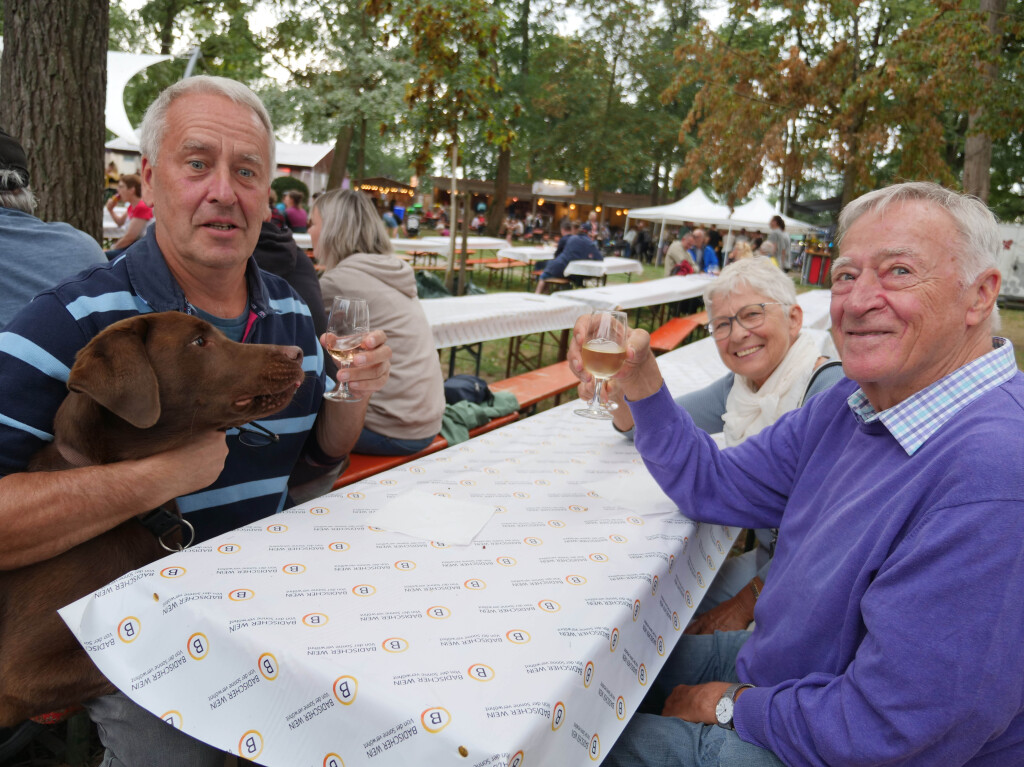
(435, 719)
(395, 644)
(198, 646)
(250, 745)
(345, 689)
(517, 636)
(557, 716)
(128, 629)
(267, 665)
(481, 672)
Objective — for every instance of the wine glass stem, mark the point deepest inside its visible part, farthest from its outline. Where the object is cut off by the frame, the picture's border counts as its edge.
(595, 403)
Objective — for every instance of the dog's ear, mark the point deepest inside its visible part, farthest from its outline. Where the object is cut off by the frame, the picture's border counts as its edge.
(114, 369)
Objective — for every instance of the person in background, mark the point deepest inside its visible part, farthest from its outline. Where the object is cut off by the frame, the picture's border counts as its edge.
(277, 253)
(707, 260)
(715, 240)
(767, 250)
(138, 214)
(350, 241)
(741, 250)
(889, 630)
(110, 179)
(577, 247)
(296, 217)
(778, 237)
(277, 211)
(627, 242)
(35, 255)
(389, 221)
(679, 256)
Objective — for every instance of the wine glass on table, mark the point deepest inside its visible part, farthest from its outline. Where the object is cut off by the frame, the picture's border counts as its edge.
(346, 327)
(603, 353)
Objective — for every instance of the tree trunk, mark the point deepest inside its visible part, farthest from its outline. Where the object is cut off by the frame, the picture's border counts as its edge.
(496, 211)
(361, 153)
(978, 149)
(467, 214)
(655, 180)
(342, 145)
(54, 80)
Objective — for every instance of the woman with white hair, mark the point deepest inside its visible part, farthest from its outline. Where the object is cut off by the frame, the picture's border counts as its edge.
(775, 366)
(350, 241)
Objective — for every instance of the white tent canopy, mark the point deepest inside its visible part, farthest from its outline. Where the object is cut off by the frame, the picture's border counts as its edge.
(696, 208)
(758, 212)
(122, 67)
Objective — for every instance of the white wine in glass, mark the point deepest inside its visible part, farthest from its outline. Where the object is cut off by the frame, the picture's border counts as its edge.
(603, 353)
(346, 327)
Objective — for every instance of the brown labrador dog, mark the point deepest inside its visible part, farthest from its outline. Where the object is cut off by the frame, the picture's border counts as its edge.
(142, 386)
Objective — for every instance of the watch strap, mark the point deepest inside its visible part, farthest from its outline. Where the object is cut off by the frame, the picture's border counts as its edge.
(730, 693)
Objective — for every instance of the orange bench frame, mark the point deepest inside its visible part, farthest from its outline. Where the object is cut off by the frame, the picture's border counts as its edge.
(675, 331)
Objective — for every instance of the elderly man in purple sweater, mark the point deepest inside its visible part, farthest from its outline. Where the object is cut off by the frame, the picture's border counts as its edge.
(890, 630)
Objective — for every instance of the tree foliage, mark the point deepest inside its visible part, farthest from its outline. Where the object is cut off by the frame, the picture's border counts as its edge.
(787, 85)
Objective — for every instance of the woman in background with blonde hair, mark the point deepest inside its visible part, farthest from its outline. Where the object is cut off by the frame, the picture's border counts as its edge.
(350, 241)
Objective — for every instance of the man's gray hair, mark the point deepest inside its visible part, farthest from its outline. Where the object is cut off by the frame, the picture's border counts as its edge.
(15, 194)
(154, 124)
(973, 221)
(759, 275)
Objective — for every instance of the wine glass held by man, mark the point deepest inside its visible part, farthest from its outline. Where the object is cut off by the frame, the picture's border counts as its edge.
(347, 326)
(775, 365)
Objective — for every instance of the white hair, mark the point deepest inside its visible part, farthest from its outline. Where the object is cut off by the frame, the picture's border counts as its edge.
(19, 196)
(975, 224)
(154, 123)
(758, 274)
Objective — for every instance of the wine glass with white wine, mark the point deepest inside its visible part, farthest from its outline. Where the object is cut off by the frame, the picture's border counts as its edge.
(603, 353)
(346, 327)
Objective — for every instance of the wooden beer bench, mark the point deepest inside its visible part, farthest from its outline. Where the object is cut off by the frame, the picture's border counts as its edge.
(362, 466)
(675, 331)
(537, 385)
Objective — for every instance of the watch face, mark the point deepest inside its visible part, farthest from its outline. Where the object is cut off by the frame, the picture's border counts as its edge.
(723, 711)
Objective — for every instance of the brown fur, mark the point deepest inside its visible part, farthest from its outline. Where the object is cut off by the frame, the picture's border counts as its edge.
(142, 386)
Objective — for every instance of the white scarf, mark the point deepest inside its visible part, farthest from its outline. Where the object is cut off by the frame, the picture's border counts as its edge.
(748, 411)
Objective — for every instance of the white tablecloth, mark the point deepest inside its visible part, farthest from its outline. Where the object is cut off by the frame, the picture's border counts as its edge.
(311, 636)
(110, 228)
(609, 265)
(636, 294)
(316, 638)
(461, 320)
(528, 253)
(475, 243)
(421, 245)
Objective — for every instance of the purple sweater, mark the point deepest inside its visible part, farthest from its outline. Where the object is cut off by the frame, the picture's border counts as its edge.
(891, 630)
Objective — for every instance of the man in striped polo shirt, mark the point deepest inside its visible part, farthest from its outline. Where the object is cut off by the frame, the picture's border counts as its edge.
(208, 155)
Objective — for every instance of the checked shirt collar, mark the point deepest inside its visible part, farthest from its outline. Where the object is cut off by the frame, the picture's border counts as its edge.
(919, 416)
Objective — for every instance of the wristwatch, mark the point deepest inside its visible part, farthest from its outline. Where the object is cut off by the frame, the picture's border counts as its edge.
(724, 708)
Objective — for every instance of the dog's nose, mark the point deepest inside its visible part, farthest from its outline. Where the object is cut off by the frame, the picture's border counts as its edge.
(293, 353)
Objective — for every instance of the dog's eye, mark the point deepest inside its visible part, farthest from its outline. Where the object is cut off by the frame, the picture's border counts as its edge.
(199, 341)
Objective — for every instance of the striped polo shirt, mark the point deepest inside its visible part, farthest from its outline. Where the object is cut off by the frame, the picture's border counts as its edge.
(38, 347)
